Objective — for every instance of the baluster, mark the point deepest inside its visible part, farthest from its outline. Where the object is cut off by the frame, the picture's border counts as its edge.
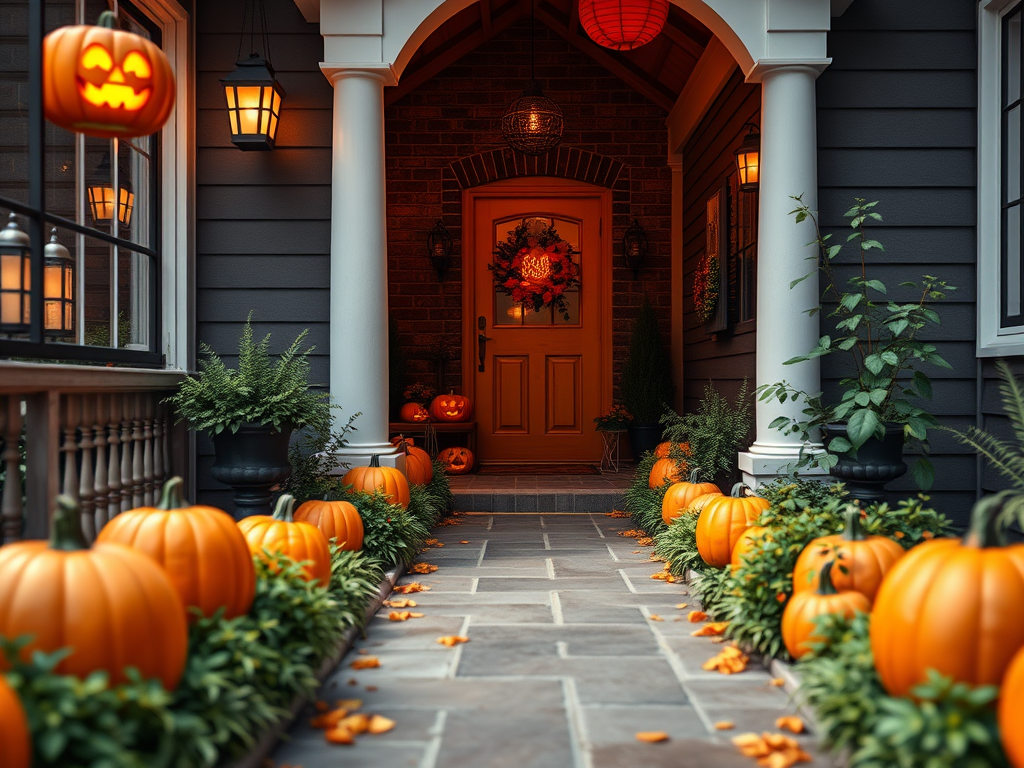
(70, 416)
(148, 475)
(100, 481)
(138, 472)
(168, 463)
(86, 485)
(159, 474)
(126, 451)
(11, 510)
(114, 458)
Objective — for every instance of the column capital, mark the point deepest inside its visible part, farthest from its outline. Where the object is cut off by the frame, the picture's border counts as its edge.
(766, 67)
(335, 71)
(675, 162)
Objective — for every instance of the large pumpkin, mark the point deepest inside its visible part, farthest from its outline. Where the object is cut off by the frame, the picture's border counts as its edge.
(861, 562)
(1011, 705)
(953, 606)
(112, 605)
(723, 520)
(456, 461)
(413, 412)
(105, 82)
(419, 467)
(15, 746)
(749, 540)
(280, 533)
(451, 407)
(666, 471)
(338, 521)
(201, 549)
(680, 497)
(663, 449)
(798, 618)
(389, 480)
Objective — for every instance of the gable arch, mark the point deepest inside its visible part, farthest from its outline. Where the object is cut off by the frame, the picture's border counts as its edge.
(569, 163)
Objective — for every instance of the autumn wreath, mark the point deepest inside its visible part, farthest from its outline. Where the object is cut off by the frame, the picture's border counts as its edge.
(706, 280)
(534, 266)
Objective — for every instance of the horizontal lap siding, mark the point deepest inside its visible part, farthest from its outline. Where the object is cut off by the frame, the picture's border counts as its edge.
(896, 123)
(262, 218)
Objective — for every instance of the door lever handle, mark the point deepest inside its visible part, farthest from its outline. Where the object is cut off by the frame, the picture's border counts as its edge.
(482, 341)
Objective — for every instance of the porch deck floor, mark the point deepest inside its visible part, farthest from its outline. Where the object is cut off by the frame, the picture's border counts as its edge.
(564, 663)
(532, 494)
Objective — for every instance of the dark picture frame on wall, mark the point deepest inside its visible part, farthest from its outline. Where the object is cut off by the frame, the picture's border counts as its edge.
(716, 247)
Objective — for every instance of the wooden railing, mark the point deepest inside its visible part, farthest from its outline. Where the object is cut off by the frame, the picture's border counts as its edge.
(100, 435)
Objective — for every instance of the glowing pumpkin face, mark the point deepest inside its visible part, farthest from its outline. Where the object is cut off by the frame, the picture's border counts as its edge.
(103, 82)
(456, 461)
(451, 407)
(414, 412)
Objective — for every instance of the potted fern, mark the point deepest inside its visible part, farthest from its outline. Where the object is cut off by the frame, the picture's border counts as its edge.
(250, 413)
(646, 381)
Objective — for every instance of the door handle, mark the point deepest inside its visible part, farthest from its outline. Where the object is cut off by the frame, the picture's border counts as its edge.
(482, 340)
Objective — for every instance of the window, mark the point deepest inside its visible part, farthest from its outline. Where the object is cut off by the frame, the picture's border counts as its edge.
(743, 256)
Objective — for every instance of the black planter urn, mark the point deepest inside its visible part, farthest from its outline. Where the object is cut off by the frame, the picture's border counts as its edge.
(252, 461)
(643, 438)
(877, 463)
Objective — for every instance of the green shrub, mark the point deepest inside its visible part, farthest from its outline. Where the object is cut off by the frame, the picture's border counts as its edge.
(643, 502)
(391, 534)
(430, 502)
(677, 544)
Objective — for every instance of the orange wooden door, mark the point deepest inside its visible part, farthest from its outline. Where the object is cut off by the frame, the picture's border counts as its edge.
(540, 382)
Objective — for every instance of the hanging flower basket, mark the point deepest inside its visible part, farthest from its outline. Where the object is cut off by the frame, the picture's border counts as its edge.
(706, 280)
(534, 266)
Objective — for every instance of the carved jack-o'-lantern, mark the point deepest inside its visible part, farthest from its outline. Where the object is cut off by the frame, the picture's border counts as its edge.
(106, 82)
(456, 461)
(413, 412)
(451, 407)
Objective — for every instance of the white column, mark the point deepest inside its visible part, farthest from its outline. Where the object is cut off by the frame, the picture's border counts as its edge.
(789, 166)
(359, 270)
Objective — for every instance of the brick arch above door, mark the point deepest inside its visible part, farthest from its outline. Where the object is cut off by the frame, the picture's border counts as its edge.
(569, 163)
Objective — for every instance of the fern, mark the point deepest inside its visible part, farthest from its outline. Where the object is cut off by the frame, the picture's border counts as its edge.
(715, 432)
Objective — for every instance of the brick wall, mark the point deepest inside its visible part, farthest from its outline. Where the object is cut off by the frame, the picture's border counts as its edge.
(455, 116)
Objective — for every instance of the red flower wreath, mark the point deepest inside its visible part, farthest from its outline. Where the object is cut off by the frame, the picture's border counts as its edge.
(535, 268)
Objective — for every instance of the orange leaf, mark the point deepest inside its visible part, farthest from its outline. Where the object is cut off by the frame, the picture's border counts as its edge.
(651, 737)
(695, 617)
(724, 725)
(645, 541)
(790, 723)
(329, 719)
(356, 723)
(656, 617)
(321, 706)
(367, 662)
(680, 606)
(400, 603)
(340, 736)
(711, 630)
(350, 704)
(777, 682)
(423, 568)
(452, 640)
(379, 724)
(405, 589)
(398, 615)
(463, 542)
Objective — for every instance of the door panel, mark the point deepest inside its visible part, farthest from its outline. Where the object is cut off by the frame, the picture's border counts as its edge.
(511, 394)
(563, 396)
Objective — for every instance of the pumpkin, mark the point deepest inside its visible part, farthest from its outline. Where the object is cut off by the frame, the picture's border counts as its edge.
(281, 534)
(111, 604)
(1011, 701)
(749, 540)
(680, 496)
(952, 606)
(798, 618)
(106, 82)
(201, 549)
(419, 467)
(666, 471)
(413, 412)
(723, 520)
(15, 746)
(862, 562)
(451, 407)
(389, 480)
(456, 461)
(338, 521)
(663, 449)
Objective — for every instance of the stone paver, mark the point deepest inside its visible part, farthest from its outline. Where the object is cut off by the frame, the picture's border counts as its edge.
(563, 667)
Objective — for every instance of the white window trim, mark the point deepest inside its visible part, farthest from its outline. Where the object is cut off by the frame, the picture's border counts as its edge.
(992, 341)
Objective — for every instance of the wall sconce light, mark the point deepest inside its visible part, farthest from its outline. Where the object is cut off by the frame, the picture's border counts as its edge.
(252, 92)
(748, 159)
(58, 290)
(100, 195)
(439, 248)
(634, 247)
(15, 278)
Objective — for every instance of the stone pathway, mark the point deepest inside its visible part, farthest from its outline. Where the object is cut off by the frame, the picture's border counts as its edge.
(563, 667)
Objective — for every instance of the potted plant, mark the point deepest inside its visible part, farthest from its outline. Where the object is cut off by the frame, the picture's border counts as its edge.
(878, 408)
(646, 381)
(250, 413)
(615, 420)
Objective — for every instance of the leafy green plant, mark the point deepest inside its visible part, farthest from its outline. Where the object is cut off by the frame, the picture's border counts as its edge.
(643, 502)
(430, 502)
(715, 431)
(260, 391)
(355, 580)
(647, 374)
(710, 586)
(677, 544)
(879, 337)
(314, 458)
(391, 534)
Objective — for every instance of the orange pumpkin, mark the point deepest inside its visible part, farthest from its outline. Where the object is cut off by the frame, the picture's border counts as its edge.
(862, 562)
(413, 412)
(389, 480)
(15, 746)
(749, 540)
(451, 407)
(680, 496)
(952, 606)
(723, 520)
(111, 604)
(798, 618)
(280, 533)
(666, 471)
(338, 521)
(192, 544)
(663, 449)
(106, 82)
(456, 461)
(1011, 704)
(419, 467)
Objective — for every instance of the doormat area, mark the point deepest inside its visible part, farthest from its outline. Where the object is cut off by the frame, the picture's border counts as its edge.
(538, 469)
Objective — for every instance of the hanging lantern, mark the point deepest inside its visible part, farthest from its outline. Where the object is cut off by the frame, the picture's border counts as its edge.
(15, 278)
(252, 92)
(623, 25)
(634, 247)
(58, 290)
(439, 248)
(748, 160)
(100, 194)
(532, 123)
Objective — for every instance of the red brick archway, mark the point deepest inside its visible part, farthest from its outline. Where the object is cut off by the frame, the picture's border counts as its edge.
(567, 163)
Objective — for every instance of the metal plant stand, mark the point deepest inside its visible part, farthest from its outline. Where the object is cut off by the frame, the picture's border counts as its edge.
(610, 452)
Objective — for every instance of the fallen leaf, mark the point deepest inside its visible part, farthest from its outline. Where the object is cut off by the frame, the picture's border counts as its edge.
(330, 719)
(695, 617)
(463, 542)
(680, 606)
(400, 603)
(651, 737)
(350, 704)
(367, 662)
(340, 736)
(398, 615)
(645, 541)
(660, 576)
(415, 615)
(617, 513)
(321, 706)
(777, 682)
(656, 617)
(380, 724)
(423, 568)
(352, 681)
(724, 725)
(728, 662)
(712, 629)
(431, 542)
(356, 723)
(790, 723)
(636, 552)
(633, 533)
(362, 651)
(678, 618)
(452, 640)
(406, 589)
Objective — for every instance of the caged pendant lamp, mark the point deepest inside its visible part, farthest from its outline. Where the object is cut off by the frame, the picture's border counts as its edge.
(532, 123)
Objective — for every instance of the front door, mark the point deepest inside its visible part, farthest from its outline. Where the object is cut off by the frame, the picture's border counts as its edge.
(538, 378)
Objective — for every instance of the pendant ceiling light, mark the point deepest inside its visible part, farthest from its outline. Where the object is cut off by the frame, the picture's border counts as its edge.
(623, 25)
(532, 123)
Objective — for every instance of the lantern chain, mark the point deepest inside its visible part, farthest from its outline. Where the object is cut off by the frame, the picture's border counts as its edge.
(249, 18)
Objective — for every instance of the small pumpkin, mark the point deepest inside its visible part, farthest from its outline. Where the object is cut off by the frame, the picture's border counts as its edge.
(280, 533)
(389, 480)
(723, 520)
(112, 604)
(15, 743)
(106, 82)
(953, 606)
(419, 467)
(663, 449)
(338, 521)
(413, 412)
(862, 562)
(451, 407)
(1011, 704)
(680, 496)
(749, 540)
(666, 471)
(456, 461)
(201, 549)
(798, 618)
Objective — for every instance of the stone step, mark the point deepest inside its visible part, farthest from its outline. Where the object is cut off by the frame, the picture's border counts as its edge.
(533, 501)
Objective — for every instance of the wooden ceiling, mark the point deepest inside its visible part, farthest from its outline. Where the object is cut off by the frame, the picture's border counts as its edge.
(658, 70)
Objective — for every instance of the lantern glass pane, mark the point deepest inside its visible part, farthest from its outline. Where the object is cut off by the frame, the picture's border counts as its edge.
(229, 94)
(273, 127)
(249, 96)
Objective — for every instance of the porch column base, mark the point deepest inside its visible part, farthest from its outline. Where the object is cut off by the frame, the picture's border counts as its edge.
(757, 469)
(360, 456)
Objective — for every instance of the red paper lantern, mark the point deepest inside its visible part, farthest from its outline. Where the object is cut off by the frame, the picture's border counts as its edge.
(623, 25)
